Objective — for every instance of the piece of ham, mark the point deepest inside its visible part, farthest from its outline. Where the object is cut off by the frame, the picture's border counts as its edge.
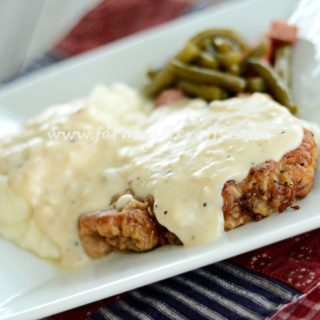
(168, 96)
(283, 32)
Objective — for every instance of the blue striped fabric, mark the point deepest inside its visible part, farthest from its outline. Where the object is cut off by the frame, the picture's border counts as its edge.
(220, 291)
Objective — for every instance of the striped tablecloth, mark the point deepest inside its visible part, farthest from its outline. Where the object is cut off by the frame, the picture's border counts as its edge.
(280, 281)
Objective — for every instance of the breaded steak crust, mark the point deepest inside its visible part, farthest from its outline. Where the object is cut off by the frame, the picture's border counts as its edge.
(270, 187)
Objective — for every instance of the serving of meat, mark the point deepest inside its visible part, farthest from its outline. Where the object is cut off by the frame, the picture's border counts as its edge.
(270, 187)
(132, 228)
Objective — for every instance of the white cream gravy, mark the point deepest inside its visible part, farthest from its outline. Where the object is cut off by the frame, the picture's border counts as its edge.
(181, 154)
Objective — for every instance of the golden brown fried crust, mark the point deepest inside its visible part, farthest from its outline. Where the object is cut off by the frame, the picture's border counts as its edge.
(133, 228)
(270, 187)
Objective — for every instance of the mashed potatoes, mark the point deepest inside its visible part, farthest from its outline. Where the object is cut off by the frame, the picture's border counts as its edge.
(54, 169)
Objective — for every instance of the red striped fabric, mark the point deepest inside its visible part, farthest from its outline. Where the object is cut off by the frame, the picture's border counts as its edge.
(114, 19)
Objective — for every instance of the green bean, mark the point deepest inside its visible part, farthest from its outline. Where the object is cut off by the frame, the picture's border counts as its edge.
(224, 95)
(236, 38)
(256, 84)
(162, 80)
(208, 93)
(207, 46)
(151, 73)
(274, 84)
(234, 69)
(258, 51)
(293, 109)
(223, 45)
(207, 60)
(228, 59)
(165, 77)
(282, 63)
(207, 76)
(188, 53)
(254, 53)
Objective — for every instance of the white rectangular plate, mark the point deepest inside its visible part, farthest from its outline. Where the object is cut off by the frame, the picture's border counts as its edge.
(31, 288)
